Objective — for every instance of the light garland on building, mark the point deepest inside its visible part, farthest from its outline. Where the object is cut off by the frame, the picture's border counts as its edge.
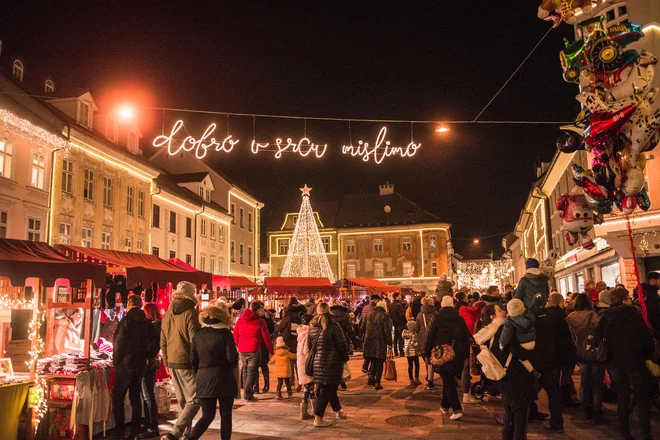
(481, 274)
(31, 131)
(306, 256)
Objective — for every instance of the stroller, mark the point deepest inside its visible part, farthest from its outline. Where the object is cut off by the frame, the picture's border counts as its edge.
(483, 386)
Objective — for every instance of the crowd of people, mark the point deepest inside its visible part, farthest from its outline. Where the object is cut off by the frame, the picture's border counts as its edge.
(519, 343)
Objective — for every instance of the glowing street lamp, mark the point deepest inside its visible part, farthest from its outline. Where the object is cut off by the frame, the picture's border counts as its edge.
(475, 241)
(126, 113)
(442, 129)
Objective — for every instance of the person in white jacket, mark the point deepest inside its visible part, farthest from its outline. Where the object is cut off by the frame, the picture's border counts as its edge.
(303, 379)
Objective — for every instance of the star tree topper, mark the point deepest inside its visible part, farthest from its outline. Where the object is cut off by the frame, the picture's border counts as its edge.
(305, 190)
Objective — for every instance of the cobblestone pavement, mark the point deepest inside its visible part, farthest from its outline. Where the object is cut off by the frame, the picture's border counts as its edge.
(368, 409)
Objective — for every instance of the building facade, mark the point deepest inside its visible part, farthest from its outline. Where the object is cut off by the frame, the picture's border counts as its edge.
(379, 235)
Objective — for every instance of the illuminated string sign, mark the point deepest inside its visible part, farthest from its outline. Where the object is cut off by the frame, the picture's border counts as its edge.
(304, 146)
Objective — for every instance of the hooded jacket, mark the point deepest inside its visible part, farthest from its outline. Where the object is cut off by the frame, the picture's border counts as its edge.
(179, 325)
(564, 346)
(133, 339)
(627, 339)
(250, 332)
(470, 316)
(529, 286)
(578, 321)
(214, 358)
(289, 324)
(443, 289)
(331, 350)
(522, 327)
(378, 334)
(282, 359)
(424, 320)
(302, 354)
(448, 327)
(341, 317)
(398, 314)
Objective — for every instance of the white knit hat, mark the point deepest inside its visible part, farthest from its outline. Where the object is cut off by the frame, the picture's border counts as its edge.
(186, 290)
(447, 301)
(279, 342)
(515, 307)
(382, 304)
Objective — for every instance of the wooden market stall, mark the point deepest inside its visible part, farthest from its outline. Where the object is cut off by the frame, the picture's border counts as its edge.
(34, 280)
(354, 288)
(279, 289)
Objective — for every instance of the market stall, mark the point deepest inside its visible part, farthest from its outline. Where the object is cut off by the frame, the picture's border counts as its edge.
(34, 275)
(353, 288)
(279, 289)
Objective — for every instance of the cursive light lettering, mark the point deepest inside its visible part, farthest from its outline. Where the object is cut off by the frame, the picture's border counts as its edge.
(200, 145)
(381, 149)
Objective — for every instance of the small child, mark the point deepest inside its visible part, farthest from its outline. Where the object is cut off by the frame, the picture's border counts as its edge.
(282, 360)
(520, 324)
(410, 348)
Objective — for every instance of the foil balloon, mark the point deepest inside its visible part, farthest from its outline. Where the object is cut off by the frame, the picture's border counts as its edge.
(633, 183)
(601, 207)
(585, 180)
(643, 200)
(569, 142)
(628, 204)
(606, 124)
(558, 10)
(578, 219)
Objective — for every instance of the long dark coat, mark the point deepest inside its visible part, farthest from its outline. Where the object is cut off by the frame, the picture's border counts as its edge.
(448, 326)
(288, 325)
(214, 356)
(331, 350)
(378, 334)
(564, 346)
(341, 317)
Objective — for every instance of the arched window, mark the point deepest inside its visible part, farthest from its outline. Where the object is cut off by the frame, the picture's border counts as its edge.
(50, 86)
(17, 70)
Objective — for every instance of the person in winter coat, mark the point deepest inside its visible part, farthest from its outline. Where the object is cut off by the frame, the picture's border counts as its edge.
(449, 328)
(340, 313)
(301, 359)
(444, 287)
(630, 346)
(461, 300)
(415, 308)
(398, 315)
(133, 338)
(249, 333)
(366, 311)
(179, 325)
(471, 317)
(378, 336)
(604, 301)
(650, 288)
(584, 319)
(214, 360)
(283, 371)
(264, 356)
(564, 345)
(532, 283)
(152, 313)
(520, 325)
(411, 349)
(288, 329)
(328, 344)
(517, 387)
(424, 320)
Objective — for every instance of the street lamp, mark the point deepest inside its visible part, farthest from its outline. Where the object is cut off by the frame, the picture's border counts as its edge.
(442, 129)
(126, 113)
(475, 241)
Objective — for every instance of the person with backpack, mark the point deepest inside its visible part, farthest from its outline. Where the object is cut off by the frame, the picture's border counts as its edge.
(133, 338)
(582, 323)
(152, 312)
(515, 383)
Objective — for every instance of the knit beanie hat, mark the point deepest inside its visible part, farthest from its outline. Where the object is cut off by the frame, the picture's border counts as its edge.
(604, 297)
(447, 301)
(279, 342)
(532, 263)
(412, 326)
(382, 304)
(186, 290)
(515, 307)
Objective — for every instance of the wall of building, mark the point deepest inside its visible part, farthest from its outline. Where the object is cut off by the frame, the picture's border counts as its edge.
(276, 260)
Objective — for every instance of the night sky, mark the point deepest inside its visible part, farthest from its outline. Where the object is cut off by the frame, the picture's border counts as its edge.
(371, 59)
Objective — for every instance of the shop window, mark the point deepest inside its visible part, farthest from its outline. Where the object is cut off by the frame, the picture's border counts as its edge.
(580, 282)
(611, 274)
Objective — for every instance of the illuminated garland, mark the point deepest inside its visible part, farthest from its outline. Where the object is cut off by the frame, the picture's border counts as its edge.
(33, 132)
(481, 274)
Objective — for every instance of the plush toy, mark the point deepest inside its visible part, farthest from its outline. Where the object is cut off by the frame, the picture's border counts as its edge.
(578, 219)
(558, 10)
(548, 265)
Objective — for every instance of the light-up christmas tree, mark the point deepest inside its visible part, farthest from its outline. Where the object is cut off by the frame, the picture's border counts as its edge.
(306, 257)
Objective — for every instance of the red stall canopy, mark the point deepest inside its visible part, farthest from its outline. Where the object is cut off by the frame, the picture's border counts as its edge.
(218, 280)
(299, 285)
(20, 260)
(374, 286)
(139, 267)
(238, 281)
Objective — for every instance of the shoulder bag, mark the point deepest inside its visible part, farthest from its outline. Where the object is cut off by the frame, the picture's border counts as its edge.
(490, 365)
(309, 362)
(442, 354)
(389, 368)
(586, 348)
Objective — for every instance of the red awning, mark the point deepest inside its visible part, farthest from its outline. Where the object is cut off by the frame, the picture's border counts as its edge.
(144, 268)
(297, 282)
(374, 286)
(20, 260)
(218, 280)
(239, 281)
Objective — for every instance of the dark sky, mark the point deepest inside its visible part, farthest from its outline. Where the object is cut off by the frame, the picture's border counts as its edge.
(368, 59)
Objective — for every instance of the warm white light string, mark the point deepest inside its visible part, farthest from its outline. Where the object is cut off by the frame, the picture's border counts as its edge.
(26, 128)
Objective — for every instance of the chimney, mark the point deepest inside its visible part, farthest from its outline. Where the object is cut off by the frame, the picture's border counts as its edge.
(386, 189)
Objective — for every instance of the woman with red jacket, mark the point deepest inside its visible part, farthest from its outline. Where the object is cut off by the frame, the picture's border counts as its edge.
(471, 317)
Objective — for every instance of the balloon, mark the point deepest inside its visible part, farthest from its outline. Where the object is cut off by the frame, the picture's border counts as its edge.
(585, 180)
(640, 161)
(556, 11)
(605, 124)
(633, 183)
(628, 205)
(569, 142)
(624, 158)
(643, 200)
(601, 207)
(578, 218)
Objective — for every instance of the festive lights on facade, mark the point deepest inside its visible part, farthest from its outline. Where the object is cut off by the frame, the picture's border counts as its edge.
(481, 274)
(33, 132)
(306, 256)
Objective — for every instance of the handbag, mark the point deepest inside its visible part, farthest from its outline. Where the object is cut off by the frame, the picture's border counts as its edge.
(440, 355)
(309, 362)
(389, 368)
(490, 365)
(346, 373)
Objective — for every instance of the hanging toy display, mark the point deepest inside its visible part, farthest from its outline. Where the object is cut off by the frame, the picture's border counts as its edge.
(558, 10)
(619, 119)
(578, 219)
